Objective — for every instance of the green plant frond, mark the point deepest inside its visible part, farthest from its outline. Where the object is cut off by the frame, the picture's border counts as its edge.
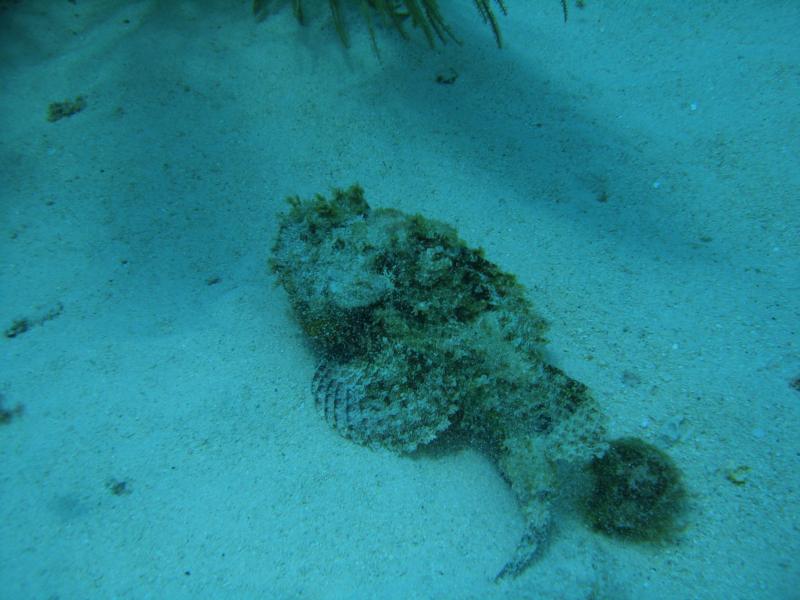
(418, 19)
(437, 22)
(391, 13)
(336, 13)
(297, 8)
(367, 15)
(485, 8)
(424, 14)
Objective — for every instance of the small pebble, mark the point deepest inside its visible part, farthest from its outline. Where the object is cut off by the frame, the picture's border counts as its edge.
(673, 430)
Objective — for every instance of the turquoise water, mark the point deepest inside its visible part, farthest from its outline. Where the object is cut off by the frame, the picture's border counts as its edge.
(637, 168)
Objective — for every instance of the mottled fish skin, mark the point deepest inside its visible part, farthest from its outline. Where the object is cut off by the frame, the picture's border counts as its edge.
(528, 549)
(365, 403)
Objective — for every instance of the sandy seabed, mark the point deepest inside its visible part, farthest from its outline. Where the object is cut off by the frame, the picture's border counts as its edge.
(638, 169)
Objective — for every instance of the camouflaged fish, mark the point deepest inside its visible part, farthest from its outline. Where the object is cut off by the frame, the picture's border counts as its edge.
(417, 334)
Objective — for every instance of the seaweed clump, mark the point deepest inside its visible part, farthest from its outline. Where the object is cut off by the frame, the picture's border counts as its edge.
(637, 494)
(60, 110)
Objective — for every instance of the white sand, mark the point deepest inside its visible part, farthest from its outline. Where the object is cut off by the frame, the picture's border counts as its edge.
(677, 300)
